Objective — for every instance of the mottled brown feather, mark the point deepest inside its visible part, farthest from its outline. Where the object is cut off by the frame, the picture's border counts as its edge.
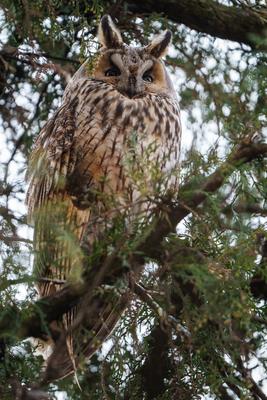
(90, 151)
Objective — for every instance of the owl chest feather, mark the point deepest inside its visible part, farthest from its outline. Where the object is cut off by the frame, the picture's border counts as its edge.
(112, 131)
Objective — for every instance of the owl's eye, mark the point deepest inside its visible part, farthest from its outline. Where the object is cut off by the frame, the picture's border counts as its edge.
(148, 78)
(113, 71)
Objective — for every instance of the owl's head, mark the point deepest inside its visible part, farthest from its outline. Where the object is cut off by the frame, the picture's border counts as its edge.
(132, 71)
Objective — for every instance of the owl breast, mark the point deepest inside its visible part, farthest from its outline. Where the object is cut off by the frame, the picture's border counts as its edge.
(122, 145)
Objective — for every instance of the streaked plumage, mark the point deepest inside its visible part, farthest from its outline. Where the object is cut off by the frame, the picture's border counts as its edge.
(114, 143)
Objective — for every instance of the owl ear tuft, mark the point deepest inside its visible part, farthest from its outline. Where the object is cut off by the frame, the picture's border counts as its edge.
(158, 47)
(108, 35)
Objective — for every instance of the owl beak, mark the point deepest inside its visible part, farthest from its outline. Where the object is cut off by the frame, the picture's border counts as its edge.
(131, 89)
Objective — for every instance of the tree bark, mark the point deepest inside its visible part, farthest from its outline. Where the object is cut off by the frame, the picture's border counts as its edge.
(207, 16)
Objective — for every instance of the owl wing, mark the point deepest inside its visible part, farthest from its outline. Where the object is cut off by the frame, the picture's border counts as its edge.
(59, 224)
(52, 159)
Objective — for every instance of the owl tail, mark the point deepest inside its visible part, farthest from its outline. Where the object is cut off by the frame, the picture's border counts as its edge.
(86, 340)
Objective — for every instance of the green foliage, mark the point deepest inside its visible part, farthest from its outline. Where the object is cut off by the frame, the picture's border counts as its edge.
(209, 323)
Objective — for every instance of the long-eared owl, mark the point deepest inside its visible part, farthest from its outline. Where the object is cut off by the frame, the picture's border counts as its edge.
(110, 149)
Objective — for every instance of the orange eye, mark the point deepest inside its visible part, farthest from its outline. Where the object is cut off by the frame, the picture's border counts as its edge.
(114, 71)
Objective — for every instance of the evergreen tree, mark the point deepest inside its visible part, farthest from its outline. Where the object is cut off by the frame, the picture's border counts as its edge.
(196, 325)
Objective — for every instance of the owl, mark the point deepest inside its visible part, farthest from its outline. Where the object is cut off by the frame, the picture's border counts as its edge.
(108, 153)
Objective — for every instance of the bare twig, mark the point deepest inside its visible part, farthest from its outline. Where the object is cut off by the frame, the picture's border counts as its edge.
(145, 296)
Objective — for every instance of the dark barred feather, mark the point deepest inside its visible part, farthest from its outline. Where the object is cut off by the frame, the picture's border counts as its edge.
(100, 154)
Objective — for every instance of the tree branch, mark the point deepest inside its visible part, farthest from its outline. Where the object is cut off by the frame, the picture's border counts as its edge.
(35, 319)
(208, 16)
(194, 193)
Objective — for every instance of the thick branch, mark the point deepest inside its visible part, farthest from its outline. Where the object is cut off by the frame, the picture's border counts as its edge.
(33, 322)
(208, 16)
(195, 192)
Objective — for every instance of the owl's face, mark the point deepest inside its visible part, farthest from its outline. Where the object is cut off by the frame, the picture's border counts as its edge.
(134, 72)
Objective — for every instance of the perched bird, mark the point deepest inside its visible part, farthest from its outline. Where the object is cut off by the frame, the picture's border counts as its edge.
(111, 149)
